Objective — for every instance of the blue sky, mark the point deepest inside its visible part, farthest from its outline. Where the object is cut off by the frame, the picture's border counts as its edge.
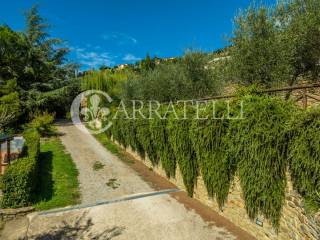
(123, 31)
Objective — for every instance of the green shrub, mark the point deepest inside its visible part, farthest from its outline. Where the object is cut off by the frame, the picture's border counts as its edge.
(20, 178)
(32, 142)
(10, 110)
(259, 142)
(210, 141)
(129, 131)
(183, 150)
(42, 123)
(68, 115)
(160, 138)
(304, 156)
(125, 132)
(18, 183)
(117, 133)
(145, 139)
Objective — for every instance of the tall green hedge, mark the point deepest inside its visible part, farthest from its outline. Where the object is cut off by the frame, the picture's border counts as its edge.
(130, 133)
(20, 178)
(117, 132)
(178, 134)
(259, 142)
(143, 134)
(210, 141)
(160, 135)
(304, 156)
(272, 136)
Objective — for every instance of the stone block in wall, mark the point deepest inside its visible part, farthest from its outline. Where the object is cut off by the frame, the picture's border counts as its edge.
(8, 214)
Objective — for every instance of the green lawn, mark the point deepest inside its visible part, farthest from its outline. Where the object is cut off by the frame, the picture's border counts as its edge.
(58, 182)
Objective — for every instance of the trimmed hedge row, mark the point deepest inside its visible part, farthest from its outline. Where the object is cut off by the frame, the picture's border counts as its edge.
(259, 148)
(20, 178)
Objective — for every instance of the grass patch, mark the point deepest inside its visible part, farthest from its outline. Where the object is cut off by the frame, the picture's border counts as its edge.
(97, 166)
(58, 182)
(113, 148)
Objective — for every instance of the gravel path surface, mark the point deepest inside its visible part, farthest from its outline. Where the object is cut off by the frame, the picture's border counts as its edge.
(152, 218)
(115, 179)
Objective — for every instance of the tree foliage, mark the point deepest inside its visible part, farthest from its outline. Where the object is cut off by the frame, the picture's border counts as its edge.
(300, 22)
(276, 45)
(36, 64)
(185, 78)
(260, 53)
(107, 80)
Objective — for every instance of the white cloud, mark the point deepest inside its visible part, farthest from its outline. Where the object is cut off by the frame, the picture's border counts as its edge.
(92, 59)
(120, 38)
(131, 58)
(133, 39)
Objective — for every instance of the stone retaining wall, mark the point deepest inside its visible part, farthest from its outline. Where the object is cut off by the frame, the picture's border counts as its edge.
(295, 224)
(8, 214)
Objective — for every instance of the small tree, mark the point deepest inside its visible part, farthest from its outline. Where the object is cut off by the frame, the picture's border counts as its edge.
(301, 22)
(9, 110)
(278, 44)
(200, 75)
(259, 53)
(148, 63)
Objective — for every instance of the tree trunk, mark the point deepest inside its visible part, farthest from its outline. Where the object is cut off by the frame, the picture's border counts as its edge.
(292, 81)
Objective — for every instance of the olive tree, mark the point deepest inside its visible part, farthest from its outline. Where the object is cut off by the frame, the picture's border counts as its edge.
(277, 45)
(259, 53)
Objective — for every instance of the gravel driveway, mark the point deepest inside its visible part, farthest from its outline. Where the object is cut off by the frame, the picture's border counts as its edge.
(114, 179)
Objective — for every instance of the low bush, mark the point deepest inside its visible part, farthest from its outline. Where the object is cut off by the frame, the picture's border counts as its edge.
(20, 178)
(43, 124)
(32, 142)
